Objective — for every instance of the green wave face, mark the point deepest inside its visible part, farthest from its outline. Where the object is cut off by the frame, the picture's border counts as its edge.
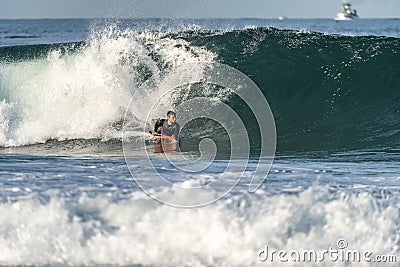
(326, 92)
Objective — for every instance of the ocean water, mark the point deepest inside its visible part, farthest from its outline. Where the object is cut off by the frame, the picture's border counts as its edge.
(68, 88)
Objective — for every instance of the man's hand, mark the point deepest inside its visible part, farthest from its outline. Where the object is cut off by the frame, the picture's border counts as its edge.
(165, 137)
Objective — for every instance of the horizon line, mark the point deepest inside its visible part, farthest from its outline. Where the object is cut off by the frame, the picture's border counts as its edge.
(175, 18)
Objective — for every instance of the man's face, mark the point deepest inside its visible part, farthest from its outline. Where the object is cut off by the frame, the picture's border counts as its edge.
(171, 118)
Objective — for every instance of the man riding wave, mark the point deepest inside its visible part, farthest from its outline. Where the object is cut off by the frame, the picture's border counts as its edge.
(167, 128)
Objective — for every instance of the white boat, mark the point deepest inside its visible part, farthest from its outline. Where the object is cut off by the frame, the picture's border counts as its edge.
(347, 13)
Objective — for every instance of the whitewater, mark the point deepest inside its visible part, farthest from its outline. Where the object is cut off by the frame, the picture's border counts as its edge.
(69, 87)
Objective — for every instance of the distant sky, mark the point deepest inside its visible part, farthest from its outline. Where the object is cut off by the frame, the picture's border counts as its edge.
(193, 8)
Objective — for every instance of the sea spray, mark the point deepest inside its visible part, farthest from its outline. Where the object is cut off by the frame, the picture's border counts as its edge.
(78, 94)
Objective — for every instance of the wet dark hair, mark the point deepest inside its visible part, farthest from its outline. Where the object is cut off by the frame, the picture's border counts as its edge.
(159, 123)
(171, 113)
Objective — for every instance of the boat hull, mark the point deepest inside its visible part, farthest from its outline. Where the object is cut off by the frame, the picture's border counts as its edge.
(341, 16)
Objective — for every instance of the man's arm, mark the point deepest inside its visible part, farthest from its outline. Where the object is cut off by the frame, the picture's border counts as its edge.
(176, 131)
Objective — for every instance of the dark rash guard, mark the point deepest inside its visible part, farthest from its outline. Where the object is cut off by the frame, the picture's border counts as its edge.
(171, 130)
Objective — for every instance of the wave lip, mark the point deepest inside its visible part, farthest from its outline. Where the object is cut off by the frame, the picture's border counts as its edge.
(21, 36)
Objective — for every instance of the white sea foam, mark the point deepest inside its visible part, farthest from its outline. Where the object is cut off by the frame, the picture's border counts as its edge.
(79, 94)
(5, 114)
(137, 230)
